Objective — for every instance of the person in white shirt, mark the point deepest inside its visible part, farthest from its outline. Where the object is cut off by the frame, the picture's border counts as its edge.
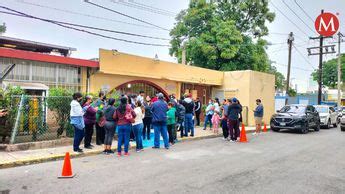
(77, 120)
(140, 97)
(138, 125)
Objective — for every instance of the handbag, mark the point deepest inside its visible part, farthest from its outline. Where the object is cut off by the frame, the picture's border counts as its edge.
(129, 116)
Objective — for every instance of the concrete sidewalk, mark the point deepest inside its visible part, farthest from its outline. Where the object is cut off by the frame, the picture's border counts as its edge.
(18, 158)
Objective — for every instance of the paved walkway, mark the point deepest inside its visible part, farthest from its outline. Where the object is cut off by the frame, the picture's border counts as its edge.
(10, 159)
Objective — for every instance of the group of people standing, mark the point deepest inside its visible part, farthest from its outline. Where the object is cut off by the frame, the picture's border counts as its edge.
(228, 115)
(136, 115)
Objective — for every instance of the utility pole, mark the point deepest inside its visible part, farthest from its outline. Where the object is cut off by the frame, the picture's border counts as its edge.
(340, 35)
(289, 41)
(321, 53)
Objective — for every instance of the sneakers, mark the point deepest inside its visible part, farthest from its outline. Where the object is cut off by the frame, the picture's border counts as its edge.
(105, 151)
(110, 152)
(138, 150)
(155, 147)
(119, 154)
(255, 133)
(79, 150)
(88, 147)
(126, 154)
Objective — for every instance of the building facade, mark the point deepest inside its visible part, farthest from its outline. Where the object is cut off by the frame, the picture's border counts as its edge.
(35, 63)
(129, 74)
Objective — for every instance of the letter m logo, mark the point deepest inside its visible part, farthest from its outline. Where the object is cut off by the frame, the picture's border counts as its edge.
(327, 24)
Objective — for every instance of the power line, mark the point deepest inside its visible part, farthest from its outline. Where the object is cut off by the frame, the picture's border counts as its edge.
(304, 11)
(308, 70)
(139, 7)
(82, 30)
(125, 15)
(289, 19)
(83, 14)
(144, 5)
(306, 60)
(297, 15)
(93, 28)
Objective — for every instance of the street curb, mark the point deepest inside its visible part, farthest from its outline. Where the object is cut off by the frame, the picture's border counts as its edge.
(90, 153)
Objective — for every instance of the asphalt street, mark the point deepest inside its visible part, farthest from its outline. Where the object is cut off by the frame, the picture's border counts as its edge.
(282, 162)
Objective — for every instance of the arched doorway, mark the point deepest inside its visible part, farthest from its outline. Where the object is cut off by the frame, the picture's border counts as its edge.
(135, 86)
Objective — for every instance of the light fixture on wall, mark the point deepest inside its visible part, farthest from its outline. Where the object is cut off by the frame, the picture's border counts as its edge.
(115, 52)
(129, 85)
(156, 59)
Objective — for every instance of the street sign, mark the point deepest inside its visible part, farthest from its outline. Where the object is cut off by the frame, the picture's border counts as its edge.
(327, 24)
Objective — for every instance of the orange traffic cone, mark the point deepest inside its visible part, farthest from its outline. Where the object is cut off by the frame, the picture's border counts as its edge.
(243, 136)
(67, 167)
(265, 128)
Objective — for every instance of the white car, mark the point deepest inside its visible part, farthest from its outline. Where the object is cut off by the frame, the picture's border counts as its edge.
(328, 115)
(342, 123)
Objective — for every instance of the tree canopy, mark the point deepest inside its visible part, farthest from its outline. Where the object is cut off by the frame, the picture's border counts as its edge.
(2, 28)
(219, 35)
(330, 73)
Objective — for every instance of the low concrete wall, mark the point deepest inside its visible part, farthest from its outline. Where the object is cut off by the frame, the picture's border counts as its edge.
(36, 145)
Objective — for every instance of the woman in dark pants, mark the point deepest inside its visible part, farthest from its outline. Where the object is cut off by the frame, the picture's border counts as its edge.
(197, 111)
(147, 119)
(109, 126)
(90, 120)
(100, 133)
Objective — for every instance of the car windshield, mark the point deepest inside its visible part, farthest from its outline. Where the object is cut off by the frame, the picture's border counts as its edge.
(322, 109)
(293, 109)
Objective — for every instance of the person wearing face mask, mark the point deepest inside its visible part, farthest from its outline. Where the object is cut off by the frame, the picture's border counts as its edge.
(208, 114)
(90, 120)
(77, 121)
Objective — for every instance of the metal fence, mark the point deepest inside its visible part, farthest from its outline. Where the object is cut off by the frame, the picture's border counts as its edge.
(36, 118)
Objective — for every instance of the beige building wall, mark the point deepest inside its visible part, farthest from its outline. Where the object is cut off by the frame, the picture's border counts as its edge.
(110, 81)
(248, 86)
(113, 62)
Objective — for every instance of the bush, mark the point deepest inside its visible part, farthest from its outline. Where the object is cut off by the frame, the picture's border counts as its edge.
(9, 103)
(59, 102)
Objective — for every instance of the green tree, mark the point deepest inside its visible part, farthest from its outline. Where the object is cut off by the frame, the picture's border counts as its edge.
(218, 35)
(280, 79)
(292, 92)
(2, 28)
(330, 73)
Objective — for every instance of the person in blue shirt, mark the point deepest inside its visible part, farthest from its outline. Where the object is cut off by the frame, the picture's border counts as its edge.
(258, 115)
(159, 121)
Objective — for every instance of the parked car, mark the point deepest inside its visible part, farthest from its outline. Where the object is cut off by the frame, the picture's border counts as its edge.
(341, 112)
(328, 115)
(296, 117)
(342, 123)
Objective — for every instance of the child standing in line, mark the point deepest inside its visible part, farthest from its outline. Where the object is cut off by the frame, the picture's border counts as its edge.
(215, 122)
(171, 123)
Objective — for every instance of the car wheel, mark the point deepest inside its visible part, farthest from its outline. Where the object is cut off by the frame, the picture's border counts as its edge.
(335, 124)
(317, 127)
(328, 124)
(305, 129)
(275, 129)
(342, 128)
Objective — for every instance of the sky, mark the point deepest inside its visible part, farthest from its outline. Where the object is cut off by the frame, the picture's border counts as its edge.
(87, 45)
